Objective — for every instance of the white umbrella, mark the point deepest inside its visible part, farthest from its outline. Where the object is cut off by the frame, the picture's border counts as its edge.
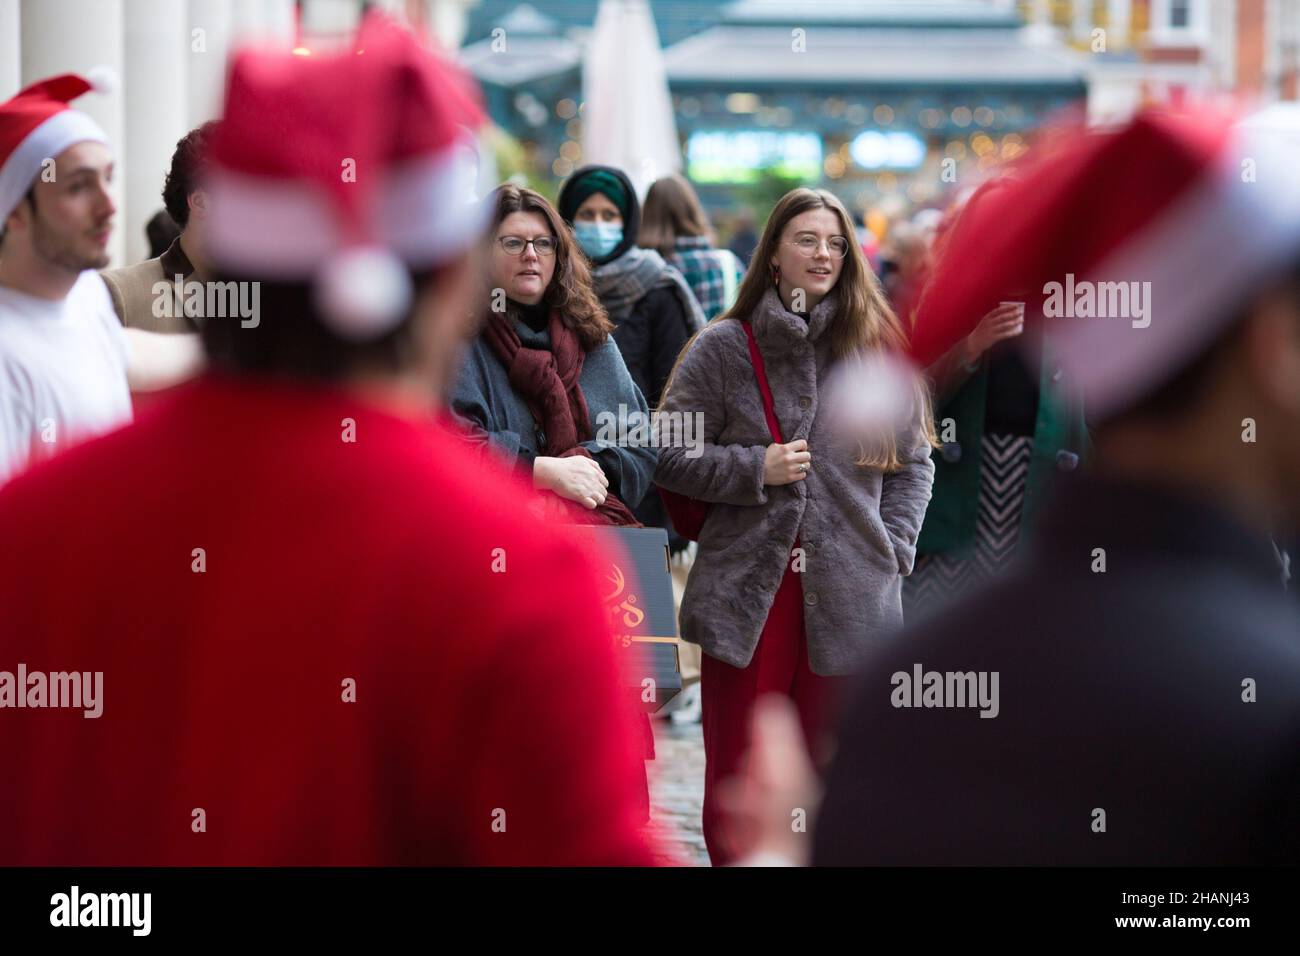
(628, 118)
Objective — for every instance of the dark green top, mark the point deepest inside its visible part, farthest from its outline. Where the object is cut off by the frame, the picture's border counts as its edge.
(1060, 444)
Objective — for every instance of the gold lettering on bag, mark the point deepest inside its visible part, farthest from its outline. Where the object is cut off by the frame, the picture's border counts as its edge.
(624, 612)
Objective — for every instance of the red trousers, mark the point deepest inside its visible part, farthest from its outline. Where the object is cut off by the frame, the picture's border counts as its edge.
(727, 695)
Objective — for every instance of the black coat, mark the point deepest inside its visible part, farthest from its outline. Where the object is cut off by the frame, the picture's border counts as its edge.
(650, 338)
(1120, 690)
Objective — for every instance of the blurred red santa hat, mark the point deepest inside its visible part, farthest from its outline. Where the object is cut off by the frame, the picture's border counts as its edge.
(347, 170)
(37, 124)
(1141, 243)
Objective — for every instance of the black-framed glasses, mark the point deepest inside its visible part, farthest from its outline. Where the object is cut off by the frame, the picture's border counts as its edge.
(515, 245)
(808, 246)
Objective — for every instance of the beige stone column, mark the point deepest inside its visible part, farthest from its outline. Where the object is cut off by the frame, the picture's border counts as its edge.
(61, 36)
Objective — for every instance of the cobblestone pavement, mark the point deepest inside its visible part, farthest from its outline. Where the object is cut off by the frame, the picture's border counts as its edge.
(677, 772)
(677, 790)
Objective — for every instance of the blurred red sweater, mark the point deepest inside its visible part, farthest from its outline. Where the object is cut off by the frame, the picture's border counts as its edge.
(487, 726)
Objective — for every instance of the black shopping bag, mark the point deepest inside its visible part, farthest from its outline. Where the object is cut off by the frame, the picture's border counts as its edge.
(637, 588)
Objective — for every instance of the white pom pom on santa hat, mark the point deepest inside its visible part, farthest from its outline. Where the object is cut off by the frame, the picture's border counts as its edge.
(102, 79)
(872, 394)
(363, 292)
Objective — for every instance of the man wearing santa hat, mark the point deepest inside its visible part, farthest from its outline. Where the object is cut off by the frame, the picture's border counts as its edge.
(1131, 693)
(66, 366)
(325, 636)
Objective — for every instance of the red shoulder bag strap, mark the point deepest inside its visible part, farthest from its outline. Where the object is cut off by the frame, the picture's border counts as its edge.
(760, 373)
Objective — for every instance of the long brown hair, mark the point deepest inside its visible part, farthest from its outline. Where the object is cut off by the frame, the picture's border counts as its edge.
(863, 322)
(671, 209)
(570, 290)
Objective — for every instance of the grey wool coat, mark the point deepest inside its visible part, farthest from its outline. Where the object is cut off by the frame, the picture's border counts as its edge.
(484, 398)
(857, 526)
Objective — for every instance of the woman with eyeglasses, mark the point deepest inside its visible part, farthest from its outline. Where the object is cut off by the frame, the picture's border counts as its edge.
(544, 373)
(810, 529)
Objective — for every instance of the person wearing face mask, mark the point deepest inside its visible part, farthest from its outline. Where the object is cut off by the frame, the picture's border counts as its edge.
(653, 309)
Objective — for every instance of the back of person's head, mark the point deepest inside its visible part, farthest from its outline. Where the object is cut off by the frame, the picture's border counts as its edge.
(671, 210)
(161, 231)
(927, 221)
(1229, 417)
(909, 248)
(360, 243)
(1252, 365)
(293, 337)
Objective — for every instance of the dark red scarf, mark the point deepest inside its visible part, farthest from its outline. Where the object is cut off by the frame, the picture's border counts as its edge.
(548, 382)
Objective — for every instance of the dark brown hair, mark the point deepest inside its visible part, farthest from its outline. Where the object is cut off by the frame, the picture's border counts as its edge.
(161, 231)
(671, 210)
(291, 339)
(189, 162)
(570, 290)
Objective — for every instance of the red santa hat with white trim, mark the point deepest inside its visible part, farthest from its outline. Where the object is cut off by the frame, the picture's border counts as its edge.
(346, 171)
(1138, 246)
(37, 124)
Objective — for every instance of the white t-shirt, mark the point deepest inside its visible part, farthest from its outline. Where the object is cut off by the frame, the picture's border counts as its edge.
(62, 371)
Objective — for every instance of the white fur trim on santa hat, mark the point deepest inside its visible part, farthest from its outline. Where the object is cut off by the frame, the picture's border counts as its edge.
(63, 129)
(363, 293)
(425, 212)
(274, 231)
(1204, 258)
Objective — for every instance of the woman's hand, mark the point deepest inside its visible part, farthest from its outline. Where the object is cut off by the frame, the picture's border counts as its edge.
(1004, 322)
(577, 478)
(785, 464)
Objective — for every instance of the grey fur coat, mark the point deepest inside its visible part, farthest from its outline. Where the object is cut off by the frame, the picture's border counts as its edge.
(858, 526)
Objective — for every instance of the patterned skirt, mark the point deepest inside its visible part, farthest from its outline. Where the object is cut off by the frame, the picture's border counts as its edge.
(939, 578)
